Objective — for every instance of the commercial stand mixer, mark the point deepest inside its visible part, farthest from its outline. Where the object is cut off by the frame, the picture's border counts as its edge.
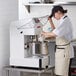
(27, 49)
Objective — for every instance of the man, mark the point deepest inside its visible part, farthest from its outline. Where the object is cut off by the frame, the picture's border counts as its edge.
(63, 33)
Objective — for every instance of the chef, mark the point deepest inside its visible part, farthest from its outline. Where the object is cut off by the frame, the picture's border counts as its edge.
(63, 33)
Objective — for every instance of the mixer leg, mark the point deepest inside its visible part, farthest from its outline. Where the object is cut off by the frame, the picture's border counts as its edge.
(39, 74)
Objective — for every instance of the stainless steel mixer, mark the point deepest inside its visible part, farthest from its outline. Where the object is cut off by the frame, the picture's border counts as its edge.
(34, 47)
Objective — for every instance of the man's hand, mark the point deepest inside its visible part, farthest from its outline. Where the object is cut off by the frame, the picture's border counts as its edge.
(45, 34)
(48, 34)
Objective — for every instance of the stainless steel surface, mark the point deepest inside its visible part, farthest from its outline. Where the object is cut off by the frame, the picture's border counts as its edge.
(35, 47)
(22, 70)
(64, 3)
(40, 48)
(56, 2)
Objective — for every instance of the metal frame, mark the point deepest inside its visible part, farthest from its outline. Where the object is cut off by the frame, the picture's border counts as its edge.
(28, 6)
(7, 70)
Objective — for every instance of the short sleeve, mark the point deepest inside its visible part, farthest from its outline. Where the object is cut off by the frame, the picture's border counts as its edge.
(61, 30)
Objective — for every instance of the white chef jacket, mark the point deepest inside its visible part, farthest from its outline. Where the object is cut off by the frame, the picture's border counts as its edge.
(64, 29)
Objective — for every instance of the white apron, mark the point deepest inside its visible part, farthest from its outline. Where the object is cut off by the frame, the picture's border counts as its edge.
(62, 57)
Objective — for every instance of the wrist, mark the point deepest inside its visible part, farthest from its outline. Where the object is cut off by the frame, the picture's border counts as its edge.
(50, 20)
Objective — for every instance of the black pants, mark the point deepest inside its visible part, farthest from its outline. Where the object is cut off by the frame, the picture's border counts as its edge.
(69, 73)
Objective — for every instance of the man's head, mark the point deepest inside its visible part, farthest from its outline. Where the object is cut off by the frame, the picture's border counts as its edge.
(58, 12)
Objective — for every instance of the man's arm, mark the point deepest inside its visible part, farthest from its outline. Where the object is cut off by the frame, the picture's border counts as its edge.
(51, 22)
(48, 34)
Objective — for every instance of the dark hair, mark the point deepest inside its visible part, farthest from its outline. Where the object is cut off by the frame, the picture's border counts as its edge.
(56, 9)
